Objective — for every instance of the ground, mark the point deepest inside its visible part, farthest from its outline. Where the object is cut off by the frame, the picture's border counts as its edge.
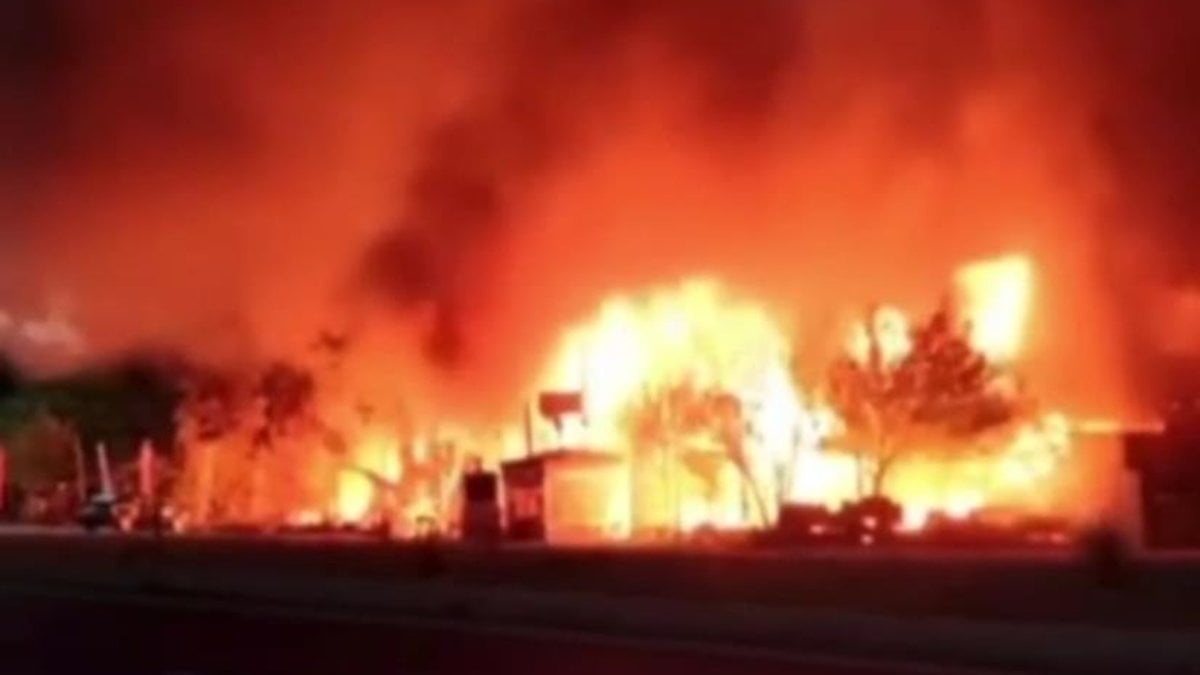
(68, 635)
(1032, 610)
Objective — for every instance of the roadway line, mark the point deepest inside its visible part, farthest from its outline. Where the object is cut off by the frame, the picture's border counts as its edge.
(381, 617)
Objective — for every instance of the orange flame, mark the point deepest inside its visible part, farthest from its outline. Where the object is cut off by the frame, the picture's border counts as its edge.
(696, 333)
(730, 460)
(995, 297)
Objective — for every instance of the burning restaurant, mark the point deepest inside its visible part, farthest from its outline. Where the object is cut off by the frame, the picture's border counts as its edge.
(628, 272)
(684, 411)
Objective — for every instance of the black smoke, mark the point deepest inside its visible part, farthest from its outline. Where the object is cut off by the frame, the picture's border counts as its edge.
(556, 61)
(166, 163)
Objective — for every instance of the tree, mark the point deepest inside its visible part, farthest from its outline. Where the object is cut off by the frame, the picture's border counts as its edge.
(42, 452)
(938, 393)
(121, 404)
(682, 417)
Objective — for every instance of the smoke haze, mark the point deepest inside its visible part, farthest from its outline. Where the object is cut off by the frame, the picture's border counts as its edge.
(449, 182)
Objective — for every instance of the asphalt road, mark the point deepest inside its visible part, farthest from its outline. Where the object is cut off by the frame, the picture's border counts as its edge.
(57, 634)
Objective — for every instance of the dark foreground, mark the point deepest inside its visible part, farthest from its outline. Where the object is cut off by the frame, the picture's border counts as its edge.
(213, 605)
(56, 634)
(1052, 586)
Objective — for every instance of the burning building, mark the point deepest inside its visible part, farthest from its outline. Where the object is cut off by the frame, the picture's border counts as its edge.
(680, 410)
(702, 396)
(789, 252)
(565, 495)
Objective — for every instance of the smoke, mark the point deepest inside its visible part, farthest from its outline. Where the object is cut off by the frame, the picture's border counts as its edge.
(1147, 114)
(448, 183)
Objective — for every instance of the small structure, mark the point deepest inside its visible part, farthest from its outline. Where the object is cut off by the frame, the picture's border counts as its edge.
(566, 496)
(1168, 468)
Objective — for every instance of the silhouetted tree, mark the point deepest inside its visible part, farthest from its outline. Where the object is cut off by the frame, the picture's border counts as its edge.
(682, 416)
(121, 404)
(41, 451)
(939, 395)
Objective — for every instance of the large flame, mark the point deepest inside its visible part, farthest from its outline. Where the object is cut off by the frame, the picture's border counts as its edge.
(693, 335)
(696, 334)
(995, 296)
(694, 392)
(373, 462)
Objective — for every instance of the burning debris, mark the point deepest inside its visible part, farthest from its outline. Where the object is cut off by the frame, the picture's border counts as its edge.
(289, 448)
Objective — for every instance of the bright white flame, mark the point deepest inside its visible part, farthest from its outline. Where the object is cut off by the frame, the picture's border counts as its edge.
(961, 505)
(995, 297)
(694, 334)
(892, 335)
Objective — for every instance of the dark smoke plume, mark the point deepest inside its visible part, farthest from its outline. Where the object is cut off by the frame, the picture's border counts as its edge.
(449, 182)
(556, 62)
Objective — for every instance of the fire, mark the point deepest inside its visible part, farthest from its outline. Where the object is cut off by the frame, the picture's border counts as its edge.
(695, 335)
(332, 462)
(693, 391)
(890, 327)
(373, 462)
(995, 297)
(692, 336)
(692, 332)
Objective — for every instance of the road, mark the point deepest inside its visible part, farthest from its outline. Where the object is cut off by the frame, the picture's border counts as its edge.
(48, 633)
